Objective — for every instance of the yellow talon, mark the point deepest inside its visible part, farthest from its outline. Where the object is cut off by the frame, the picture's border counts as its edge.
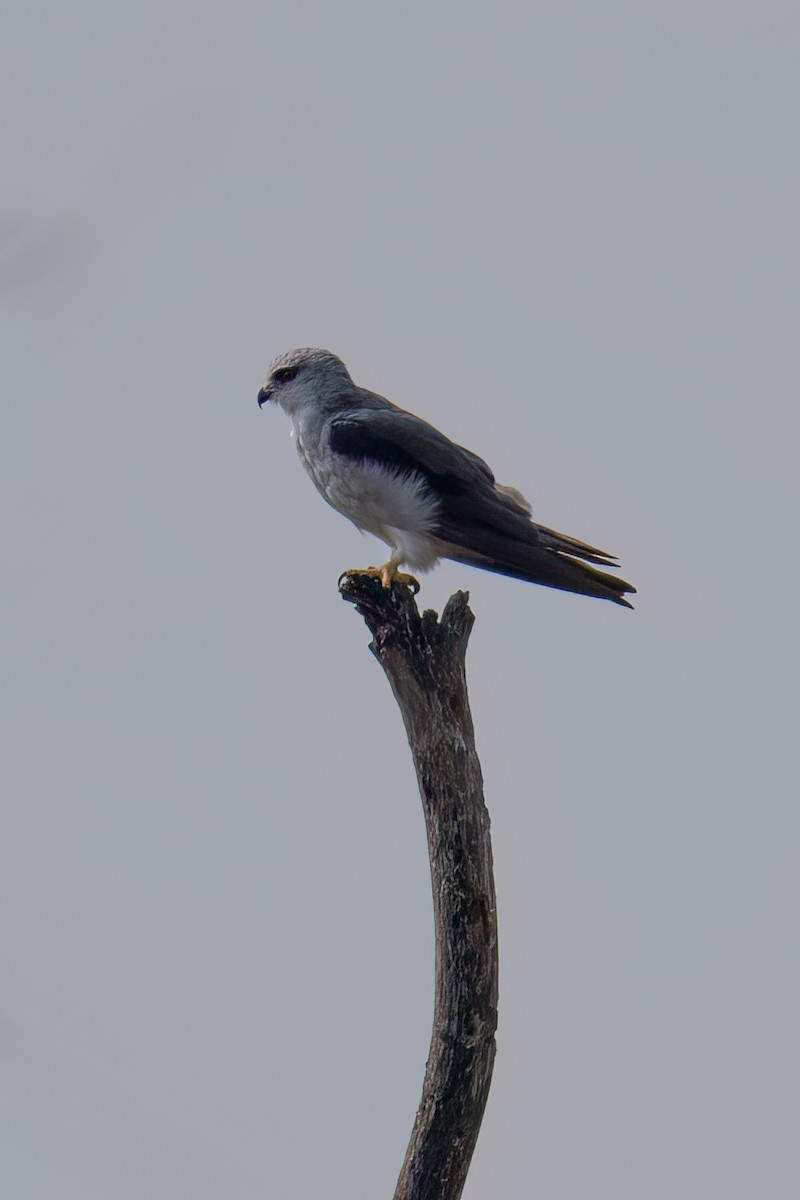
(388, 574)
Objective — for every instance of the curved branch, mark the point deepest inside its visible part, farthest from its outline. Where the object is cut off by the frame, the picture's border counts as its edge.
(424, 661)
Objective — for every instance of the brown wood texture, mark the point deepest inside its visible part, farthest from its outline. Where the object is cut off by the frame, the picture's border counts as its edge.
(423, 658)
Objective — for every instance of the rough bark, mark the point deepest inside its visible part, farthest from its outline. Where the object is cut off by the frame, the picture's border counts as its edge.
(424, 661)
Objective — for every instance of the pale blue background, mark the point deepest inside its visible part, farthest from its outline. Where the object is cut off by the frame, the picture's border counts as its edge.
(566, 233)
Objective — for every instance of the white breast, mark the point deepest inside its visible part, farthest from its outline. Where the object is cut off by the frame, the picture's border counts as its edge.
(397, 507)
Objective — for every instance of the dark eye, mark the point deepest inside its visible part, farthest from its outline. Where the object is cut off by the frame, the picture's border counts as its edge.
(284, 374)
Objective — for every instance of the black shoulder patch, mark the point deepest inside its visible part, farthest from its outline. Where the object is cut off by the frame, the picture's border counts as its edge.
(354, 440)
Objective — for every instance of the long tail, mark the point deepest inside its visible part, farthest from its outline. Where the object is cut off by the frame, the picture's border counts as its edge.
(556, 561)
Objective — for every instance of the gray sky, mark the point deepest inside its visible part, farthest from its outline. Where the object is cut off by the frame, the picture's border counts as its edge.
(567, 235)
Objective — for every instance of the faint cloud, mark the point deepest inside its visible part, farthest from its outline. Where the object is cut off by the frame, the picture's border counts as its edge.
(38, 248)
(173, 145)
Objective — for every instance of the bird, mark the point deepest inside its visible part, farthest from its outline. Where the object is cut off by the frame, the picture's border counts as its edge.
(395, 476)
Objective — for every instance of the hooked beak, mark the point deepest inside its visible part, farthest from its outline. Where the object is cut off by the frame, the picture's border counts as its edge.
(263, 396)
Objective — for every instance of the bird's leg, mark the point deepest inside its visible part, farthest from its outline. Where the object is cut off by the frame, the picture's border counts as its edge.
(388, 574)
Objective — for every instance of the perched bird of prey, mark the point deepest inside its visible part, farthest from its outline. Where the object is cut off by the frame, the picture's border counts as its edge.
(394, 475)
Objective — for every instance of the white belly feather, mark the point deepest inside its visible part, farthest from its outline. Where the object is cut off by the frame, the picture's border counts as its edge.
(397, 507)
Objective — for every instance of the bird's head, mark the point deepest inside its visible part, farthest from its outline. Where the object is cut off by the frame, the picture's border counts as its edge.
(304, 377)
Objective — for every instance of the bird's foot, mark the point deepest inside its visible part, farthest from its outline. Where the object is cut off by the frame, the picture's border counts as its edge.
(388, 574)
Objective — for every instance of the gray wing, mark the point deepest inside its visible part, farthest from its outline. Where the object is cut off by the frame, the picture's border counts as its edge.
(479, 521)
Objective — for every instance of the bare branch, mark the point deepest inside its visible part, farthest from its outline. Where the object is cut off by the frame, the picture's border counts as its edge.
(424, 661)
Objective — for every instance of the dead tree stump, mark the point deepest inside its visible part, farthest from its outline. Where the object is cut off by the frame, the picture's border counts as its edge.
(423, 658)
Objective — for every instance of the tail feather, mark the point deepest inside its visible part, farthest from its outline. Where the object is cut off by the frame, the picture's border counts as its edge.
(552, 567)
(570, 545)
(509, 543)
